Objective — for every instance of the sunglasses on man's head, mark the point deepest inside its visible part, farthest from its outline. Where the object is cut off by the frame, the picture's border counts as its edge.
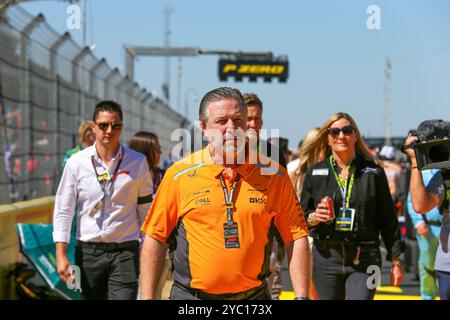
(105, 125)
(347, 130)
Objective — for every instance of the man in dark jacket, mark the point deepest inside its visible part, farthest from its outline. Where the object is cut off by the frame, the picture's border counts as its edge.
(269, 148)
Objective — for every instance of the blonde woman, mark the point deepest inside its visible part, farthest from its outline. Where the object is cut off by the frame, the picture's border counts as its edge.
(308, 156)
(346, 239)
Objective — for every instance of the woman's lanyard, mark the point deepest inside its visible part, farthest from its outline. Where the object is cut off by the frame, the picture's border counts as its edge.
(229, 198)
(344, 185)
(105, 180)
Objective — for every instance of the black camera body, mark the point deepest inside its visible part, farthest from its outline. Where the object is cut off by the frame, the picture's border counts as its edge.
(433, 155)
(433, 148)
(433, 151)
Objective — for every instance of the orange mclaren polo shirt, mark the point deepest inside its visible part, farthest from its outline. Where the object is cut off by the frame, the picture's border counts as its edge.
(191, 200)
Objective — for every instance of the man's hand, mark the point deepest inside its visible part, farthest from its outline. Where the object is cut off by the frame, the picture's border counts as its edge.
(410, 151)
(422, 229)
(397, 273)
(62, 262)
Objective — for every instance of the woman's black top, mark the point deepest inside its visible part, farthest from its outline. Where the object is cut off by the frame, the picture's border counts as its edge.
(370, 197)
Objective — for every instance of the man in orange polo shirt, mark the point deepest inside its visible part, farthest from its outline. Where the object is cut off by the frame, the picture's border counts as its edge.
(222, 210)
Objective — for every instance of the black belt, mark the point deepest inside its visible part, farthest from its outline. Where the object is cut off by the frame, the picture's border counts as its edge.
(347, 242)
(226, 296)
(109, 246)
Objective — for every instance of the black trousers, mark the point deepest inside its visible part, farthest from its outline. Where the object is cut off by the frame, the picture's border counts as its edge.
(336, 277)
(108, 274)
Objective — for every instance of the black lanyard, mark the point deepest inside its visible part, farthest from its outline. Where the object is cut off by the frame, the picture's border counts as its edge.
(229, 198)
(105, 186)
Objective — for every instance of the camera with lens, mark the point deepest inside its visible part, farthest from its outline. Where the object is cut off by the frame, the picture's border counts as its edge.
(433, 147)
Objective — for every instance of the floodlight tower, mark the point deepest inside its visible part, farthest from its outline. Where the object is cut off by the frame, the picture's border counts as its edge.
(387, 102)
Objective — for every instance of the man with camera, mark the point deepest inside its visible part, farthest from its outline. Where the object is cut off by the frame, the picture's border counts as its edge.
(434, 194)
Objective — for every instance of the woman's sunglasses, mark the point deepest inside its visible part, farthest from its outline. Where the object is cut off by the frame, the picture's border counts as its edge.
(105, 125)
(347, 130)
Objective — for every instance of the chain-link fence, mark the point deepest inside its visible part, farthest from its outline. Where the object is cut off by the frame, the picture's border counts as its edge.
(48, 85)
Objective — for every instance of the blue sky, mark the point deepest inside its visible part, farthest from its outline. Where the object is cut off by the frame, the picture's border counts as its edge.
(336, 62)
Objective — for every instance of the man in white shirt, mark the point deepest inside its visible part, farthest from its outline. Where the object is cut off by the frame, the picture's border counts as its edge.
(109, 188)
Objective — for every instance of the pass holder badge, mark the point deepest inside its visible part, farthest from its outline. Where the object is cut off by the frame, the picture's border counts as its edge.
(230, 231)
(231, 234)
(105, 177)
(106, 181)
(346, 215)
(230, 228)
(344, 219)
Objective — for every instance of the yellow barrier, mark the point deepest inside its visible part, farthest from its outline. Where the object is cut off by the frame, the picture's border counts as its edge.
(32, 211)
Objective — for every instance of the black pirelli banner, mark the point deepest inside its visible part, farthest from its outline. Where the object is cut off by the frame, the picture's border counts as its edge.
(253, 69)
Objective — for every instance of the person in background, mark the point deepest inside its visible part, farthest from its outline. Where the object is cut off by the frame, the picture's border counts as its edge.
(403, 181)
(428, 228)
(86, 138)
(308, 157)
(255, 123)
(272, 149)
(293, 165)
(107, 187)
(347, 236)
(282, 144)
(393, 172)
(147, 143)
(168, 161)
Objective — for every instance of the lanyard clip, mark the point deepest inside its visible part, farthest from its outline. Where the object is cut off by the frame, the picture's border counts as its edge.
(230, 205)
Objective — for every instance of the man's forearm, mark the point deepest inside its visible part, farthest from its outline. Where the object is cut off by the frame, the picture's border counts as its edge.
(299, 266)
(152, 262)
(61, 249)
(421, 200)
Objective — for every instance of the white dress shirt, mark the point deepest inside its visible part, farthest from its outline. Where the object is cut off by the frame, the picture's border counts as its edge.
(114, 216)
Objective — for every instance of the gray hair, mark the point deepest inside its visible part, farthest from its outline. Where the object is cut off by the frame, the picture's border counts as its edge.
(222, 93)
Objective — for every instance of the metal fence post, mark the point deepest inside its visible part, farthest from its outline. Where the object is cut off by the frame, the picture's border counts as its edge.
(141, 107)
(54, 92)
(93, 76)
(76, 77)
(26, 97)
(124, 83)
(108, 79)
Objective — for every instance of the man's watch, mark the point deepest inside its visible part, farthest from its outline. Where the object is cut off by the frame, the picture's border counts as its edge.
(302, 298)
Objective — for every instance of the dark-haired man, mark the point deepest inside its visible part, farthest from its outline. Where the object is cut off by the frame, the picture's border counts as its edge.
(108, 188)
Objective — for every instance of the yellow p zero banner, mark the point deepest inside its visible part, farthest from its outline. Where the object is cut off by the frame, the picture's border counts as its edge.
(253, 69)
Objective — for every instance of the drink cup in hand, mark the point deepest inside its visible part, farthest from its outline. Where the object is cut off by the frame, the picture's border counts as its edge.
(329, 203)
